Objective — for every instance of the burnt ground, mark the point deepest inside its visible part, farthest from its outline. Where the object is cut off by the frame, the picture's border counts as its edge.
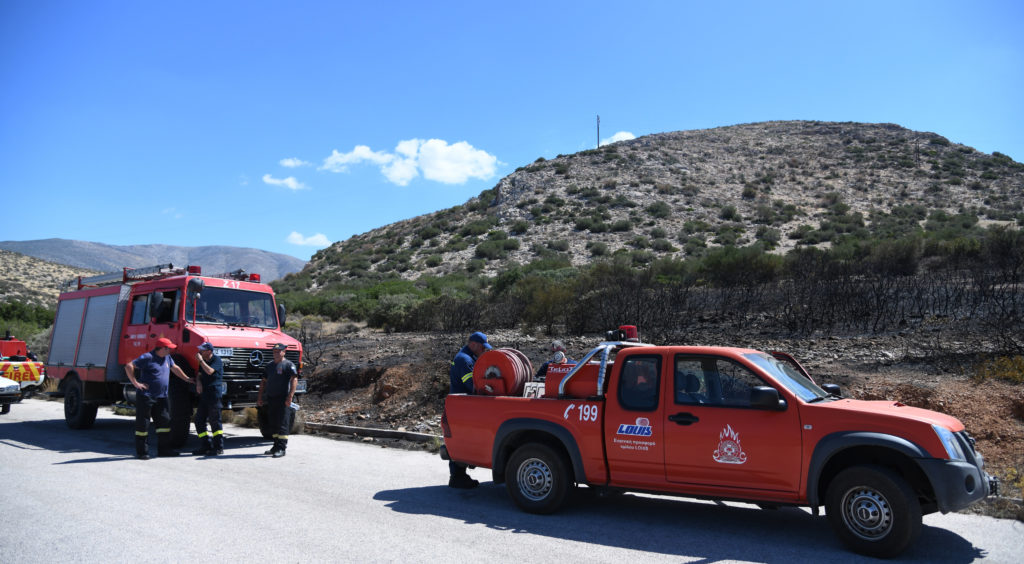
(369, 378)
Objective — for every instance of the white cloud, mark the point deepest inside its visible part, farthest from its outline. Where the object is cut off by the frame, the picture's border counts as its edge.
(173, 212)
(620, 136)
(318, 240)
(289, 183)
(338, 162)
(294, 163)
(435, 159)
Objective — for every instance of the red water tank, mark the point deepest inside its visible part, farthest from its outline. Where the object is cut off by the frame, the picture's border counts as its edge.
(501, 372)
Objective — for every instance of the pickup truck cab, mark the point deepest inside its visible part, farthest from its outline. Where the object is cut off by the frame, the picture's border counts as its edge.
(720, 423)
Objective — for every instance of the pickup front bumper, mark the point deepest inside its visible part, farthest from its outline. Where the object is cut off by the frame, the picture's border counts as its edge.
(958, 484)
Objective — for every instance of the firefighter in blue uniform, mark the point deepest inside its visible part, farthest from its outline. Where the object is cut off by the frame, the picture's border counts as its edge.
(210, 386)
(150, 374)
(278, 387)
(460, 377)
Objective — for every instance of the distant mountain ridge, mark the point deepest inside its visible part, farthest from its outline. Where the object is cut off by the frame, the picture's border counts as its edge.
(106, 258)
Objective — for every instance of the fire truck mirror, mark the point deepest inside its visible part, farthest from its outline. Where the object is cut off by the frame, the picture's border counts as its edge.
(280, 314)
(195, 286)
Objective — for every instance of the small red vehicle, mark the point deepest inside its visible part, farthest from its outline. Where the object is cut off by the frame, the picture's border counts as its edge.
(722, 423)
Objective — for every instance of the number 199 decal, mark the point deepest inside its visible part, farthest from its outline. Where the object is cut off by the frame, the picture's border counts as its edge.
(585, 412)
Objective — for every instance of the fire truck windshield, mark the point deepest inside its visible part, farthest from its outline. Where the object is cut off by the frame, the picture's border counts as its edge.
(233, 307)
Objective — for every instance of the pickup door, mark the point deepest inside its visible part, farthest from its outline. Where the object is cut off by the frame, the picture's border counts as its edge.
(686, 419)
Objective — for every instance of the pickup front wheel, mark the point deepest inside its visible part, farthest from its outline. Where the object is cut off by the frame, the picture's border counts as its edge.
(537, 477)
(873, 510)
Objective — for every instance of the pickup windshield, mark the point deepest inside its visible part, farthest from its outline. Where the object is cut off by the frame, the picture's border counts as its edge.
(788, 376)
(234, 307)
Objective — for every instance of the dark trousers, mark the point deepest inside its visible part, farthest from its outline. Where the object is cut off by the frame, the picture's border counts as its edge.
(208, 411)
(278, 417)
(157, 409)
(457, 468)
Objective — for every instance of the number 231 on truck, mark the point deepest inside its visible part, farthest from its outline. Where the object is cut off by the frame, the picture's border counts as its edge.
(717, 423)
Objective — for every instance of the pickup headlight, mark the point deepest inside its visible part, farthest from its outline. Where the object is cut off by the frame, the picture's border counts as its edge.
(10, 389)
(953, 450)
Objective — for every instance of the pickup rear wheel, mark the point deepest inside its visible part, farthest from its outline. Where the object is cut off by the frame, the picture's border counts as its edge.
(77, 413)
(537, 477)
(873, 510)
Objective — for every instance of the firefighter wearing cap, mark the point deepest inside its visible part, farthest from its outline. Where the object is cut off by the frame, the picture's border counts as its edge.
(211, 388)
(278, 387)
(150, 374)
(460, 377)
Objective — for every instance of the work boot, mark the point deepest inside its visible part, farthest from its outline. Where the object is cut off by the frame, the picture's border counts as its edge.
(283, 446)
(462, 482)
(275, 448)
(218, 445)
(141, 450)
(203, 449)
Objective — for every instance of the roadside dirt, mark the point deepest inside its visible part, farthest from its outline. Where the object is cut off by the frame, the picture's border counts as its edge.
(368, 378)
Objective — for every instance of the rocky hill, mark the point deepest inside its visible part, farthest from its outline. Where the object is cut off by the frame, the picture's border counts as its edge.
(109, 258)
(33, 281)
(677, 194)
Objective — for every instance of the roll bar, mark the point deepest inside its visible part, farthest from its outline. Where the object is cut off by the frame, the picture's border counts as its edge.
(605, 348)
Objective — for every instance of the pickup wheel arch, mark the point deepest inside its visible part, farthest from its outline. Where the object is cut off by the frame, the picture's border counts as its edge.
(516, 432)
(838, 451)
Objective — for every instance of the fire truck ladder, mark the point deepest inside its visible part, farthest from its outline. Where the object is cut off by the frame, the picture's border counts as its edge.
(125, 276)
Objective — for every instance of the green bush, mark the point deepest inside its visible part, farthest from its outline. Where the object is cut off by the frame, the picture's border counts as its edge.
(659, 210)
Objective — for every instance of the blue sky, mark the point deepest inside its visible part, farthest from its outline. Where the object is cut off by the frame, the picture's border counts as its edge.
(289, 125)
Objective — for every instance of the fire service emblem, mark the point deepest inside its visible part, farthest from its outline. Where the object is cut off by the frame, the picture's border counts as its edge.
(729, 450)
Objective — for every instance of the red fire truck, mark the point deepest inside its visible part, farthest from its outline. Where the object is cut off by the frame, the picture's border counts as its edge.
(106, 321)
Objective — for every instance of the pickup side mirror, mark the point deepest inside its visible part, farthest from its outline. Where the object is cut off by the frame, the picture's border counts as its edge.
(832, 389)
(766, 397)
(280, 314)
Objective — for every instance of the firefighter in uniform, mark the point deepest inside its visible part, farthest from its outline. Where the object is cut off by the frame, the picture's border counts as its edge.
(211, 388)
(151, 381)
(278, 387)
(460, 377)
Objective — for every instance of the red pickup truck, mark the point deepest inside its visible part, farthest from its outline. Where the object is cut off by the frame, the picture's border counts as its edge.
(718, 423)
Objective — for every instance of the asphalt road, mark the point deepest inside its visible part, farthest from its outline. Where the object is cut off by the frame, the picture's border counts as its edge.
(71, 496)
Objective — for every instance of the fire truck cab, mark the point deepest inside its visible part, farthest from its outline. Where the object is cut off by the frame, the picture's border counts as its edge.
(104, 322)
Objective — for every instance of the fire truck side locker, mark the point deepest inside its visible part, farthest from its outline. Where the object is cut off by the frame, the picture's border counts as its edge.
(84, 351)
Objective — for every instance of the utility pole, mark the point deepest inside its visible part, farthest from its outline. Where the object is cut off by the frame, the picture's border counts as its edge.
(599, 131)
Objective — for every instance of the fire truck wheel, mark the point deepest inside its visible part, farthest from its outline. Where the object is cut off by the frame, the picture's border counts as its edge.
(77, 413)
(5, 409)
(181, 411)
(264, 420)
(296, 425)
(873, 510)
(538, 479)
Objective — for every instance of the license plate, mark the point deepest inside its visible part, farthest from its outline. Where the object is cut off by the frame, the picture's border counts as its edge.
(224, 352)
(300, 387)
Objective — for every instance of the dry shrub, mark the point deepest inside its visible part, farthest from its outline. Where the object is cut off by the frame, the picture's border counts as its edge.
(1007, 368)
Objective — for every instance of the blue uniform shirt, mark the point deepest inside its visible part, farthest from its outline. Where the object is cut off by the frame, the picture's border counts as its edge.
(154, 372)
(461, 372)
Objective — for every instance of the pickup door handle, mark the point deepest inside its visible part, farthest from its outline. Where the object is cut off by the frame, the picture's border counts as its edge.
(683, 418)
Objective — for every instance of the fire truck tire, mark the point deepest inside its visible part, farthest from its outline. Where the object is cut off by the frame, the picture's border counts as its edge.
(77, 413)
(179, 395)
(296, 424)
(538, 479)
(5, 409)
(873, 510)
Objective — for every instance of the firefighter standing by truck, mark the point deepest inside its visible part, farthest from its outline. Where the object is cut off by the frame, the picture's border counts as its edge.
(154, 371)
(460, 377)
(278, 387)
(210, 387)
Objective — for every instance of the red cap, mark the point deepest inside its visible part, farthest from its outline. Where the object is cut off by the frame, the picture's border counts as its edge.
(165, 342)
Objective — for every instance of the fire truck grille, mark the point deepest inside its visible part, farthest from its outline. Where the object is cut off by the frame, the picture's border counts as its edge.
(252, 361)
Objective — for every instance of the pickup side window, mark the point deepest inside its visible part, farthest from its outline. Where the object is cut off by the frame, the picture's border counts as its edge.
(712, 381)
(140, 310)
(638, 383)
